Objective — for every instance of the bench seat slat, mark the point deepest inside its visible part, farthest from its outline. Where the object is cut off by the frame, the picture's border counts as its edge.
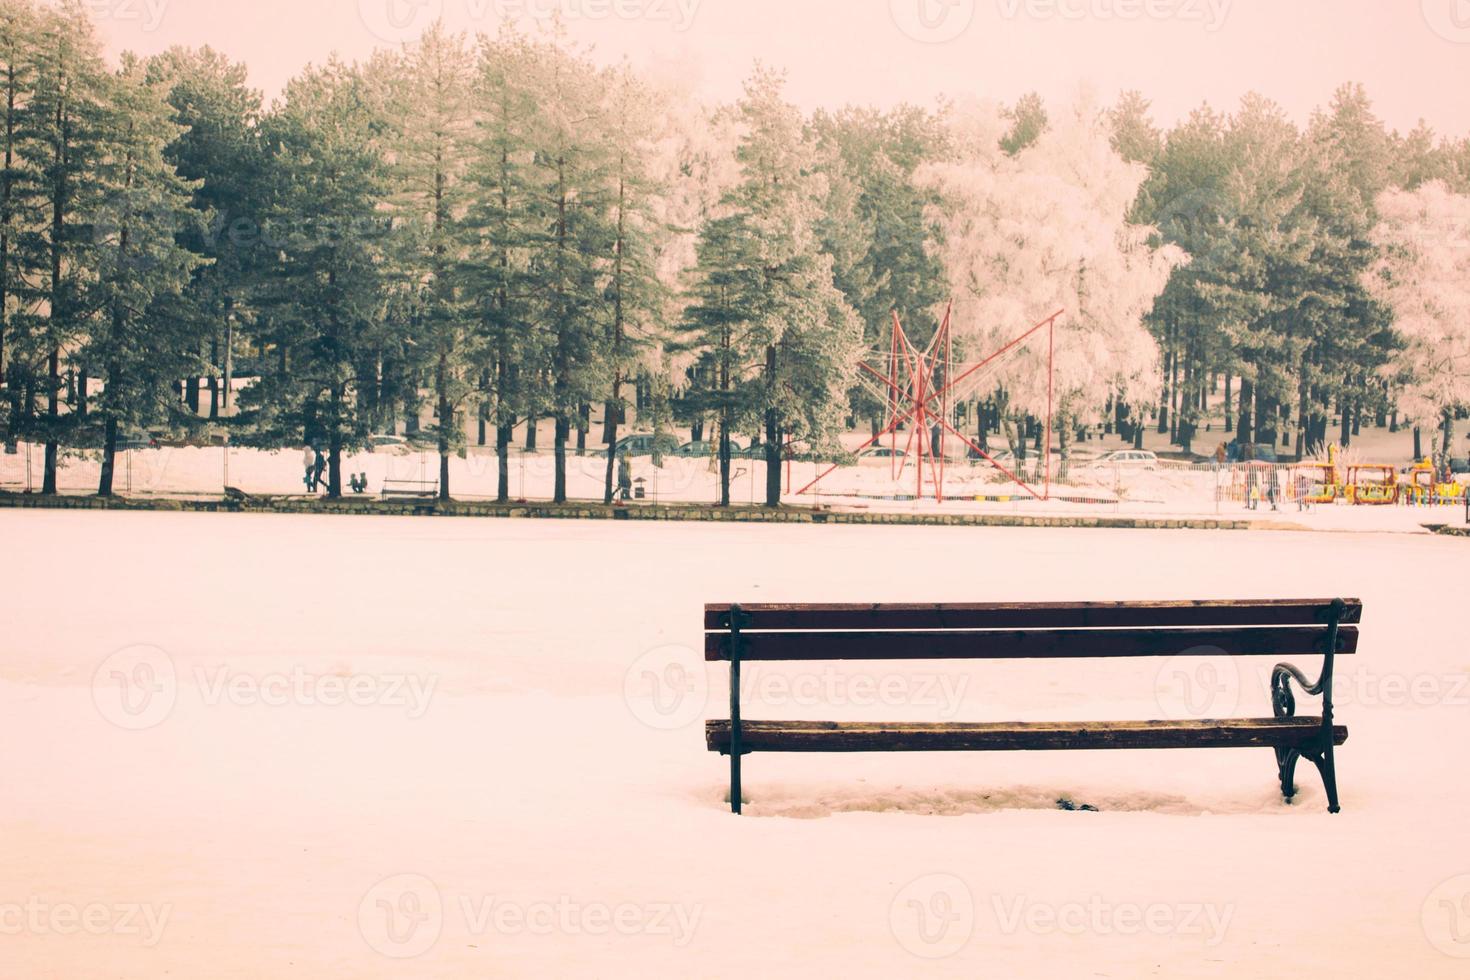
(1277, 641)
(832, 736)
(1027, 615)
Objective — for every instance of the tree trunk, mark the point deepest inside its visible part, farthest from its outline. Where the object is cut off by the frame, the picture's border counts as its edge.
(610, 417)
(1418, 444)
(724, 461)
(484, 410)
(1168, 394)
(109, 455)
(1244, 429)
(562, 431)
(503, 435)
(214, 378)
(531, 422)
(610, 436)
(53, 414)
(446, 421)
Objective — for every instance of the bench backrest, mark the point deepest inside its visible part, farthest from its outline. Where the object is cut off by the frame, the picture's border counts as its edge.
(1007, 631)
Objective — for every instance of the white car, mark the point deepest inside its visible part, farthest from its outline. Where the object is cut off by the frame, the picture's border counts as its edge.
(1126, 459)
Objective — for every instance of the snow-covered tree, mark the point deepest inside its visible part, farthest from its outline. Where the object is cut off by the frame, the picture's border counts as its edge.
(1423, 237)
(784, 336)
(1021, 236)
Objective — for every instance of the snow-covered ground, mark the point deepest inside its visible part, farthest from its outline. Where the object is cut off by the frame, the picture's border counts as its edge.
(1173, 491)
(265, 746)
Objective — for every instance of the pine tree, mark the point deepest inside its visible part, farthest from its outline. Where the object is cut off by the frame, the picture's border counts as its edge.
(219, 150)
(781, 338)
(63, 132)
(499, 228)
(571, 247)
(430, 128)
(322, 304)
(18, 179)
(636, 295)
(139, 341)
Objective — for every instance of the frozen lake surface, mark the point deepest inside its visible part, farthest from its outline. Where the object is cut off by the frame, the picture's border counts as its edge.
(262, 746)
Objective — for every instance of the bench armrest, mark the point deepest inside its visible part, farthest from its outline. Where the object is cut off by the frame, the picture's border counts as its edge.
(1283, 702)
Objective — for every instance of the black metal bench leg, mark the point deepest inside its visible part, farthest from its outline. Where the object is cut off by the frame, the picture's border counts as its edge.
(1327, 769)
(1286, 771)
(1327, 765)
(737, 620)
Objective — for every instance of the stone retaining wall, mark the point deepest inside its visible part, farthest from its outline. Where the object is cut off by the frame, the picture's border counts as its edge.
(591, 511)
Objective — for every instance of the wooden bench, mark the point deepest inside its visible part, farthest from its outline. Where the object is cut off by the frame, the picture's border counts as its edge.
(416, 489)
(1043, 630)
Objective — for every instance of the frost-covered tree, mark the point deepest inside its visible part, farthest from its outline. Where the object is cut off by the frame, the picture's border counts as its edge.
(1047, 228)
(499, 228)
(637, 295)
(573, 243)
(1423, 238)
(784, 337)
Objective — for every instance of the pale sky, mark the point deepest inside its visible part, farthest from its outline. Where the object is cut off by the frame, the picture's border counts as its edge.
(1413, 55)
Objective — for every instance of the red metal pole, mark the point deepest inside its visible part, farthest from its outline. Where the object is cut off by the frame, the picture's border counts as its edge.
(1051, 378)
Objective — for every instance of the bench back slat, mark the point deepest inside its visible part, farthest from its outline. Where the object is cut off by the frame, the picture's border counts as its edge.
(1027, 615)
(1277, 641)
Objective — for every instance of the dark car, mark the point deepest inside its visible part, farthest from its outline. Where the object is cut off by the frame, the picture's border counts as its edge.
(645, 444)
(698, 448)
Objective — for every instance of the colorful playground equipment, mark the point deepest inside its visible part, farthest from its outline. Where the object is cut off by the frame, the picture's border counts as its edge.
(1316, 483)
(1373, 484)
(1423, 486)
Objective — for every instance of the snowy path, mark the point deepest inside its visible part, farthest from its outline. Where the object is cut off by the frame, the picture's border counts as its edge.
(517, 784)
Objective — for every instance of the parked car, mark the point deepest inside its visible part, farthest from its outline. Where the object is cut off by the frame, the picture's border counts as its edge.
(882, 452)
(645, 443)
(135, 440)
(1130, 459)
(383, 440)
(700, 448)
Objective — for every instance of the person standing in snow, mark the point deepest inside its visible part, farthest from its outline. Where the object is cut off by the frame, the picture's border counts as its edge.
(319, 467)
(625, 475)
(308, 460)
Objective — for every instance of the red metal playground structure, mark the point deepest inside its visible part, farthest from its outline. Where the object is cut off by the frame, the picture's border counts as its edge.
(919, 387)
